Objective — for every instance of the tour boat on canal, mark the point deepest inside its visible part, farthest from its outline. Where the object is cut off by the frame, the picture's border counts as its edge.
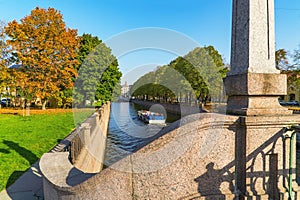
(151, 117)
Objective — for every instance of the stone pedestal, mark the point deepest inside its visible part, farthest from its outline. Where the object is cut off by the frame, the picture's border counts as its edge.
(254, 94)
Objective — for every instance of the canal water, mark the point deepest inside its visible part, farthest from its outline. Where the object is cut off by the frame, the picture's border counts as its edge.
(126, 133)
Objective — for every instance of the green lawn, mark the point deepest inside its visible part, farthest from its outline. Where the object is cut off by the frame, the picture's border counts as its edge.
(23, 140)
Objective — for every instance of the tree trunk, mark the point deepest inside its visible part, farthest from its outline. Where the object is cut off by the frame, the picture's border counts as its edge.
(44, 105)
(180, 97)
(28, 109)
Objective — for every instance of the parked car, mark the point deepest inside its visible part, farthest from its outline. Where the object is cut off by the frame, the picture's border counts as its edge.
(292, 103)
(5, 102)
(281, 102)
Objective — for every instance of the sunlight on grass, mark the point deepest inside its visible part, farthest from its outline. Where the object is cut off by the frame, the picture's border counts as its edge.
(23, 140)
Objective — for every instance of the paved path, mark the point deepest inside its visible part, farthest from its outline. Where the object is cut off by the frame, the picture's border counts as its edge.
(28, 187)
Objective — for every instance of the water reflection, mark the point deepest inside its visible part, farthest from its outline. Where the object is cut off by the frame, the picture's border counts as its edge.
(126, 132)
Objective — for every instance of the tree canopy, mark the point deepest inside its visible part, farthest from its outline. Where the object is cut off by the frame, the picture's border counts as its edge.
(281, 59)
(197, 75)
(47, 57)
(99, 74)
(3, 55)
(296, 60)
(47, 51)
(87, 44)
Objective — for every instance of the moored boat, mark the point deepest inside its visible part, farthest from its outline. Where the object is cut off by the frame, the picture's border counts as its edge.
(151, 117)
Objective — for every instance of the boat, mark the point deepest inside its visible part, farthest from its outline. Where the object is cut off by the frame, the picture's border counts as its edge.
(151, 117)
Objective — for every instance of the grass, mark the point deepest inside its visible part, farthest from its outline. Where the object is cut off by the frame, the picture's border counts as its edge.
(23, 140)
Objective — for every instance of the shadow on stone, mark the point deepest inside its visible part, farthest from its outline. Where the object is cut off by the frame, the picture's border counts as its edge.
(13, 177)
(59, 140)
(76, 176)
(209, 183)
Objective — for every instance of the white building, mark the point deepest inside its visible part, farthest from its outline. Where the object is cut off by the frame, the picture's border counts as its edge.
(125, 90)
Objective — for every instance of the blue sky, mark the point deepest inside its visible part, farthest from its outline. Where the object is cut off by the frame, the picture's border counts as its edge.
(208, 22)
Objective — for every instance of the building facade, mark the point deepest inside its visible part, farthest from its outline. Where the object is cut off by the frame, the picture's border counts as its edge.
(125, 90)
(293, 87)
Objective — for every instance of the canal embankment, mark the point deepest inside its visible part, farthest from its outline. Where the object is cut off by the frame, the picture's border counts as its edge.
(78, 157)
(175, 108)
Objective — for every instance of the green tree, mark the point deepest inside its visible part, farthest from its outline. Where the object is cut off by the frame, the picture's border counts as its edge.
(143, 87)
(87, 44)
(109, 83)
(202, 72)
(197, 75)
(99, 74)
(218, 60)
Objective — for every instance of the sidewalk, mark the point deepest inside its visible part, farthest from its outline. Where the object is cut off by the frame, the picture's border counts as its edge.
(28, 187)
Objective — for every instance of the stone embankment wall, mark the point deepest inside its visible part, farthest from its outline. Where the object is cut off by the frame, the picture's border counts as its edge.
(202, 156)
(88, 146)
(78, 156)
(177, 109)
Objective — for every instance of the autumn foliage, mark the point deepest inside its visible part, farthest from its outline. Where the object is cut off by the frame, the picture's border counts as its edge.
(3, 54)
(47, 51)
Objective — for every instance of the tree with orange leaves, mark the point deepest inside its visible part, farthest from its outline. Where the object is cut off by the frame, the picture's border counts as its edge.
(4, 61)
(47, 51)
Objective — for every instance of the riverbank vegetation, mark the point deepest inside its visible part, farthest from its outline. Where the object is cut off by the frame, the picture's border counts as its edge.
(42, 62)
(289, 64)
(195, 77)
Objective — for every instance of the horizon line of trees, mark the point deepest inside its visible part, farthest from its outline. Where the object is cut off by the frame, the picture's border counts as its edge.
(52, 58)
(197, 77)
(193, 78)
